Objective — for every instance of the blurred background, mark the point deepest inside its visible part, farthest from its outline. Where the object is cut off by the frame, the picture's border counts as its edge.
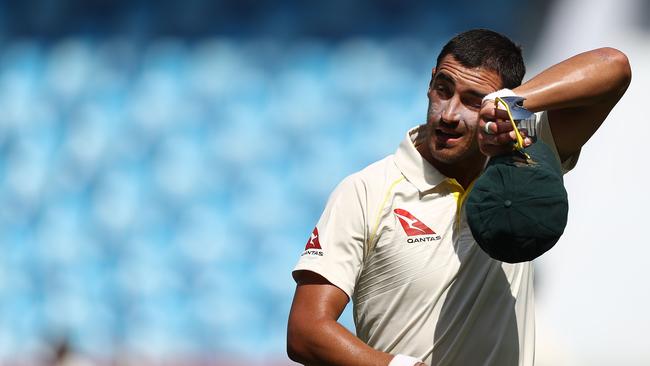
(162, 164)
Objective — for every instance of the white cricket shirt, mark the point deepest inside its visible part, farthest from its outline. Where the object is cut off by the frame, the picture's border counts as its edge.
(394, 238)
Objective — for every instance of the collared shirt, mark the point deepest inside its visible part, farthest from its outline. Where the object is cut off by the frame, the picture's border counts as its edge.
(395, 239)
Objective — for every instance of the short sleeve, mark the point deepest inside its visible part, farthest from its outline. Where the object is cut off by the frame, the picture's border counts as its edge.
(544, 133)
(334, 250)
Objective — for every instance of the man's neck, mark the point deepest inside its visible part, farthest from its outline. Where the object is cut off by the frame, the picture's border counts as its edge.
(464, 172)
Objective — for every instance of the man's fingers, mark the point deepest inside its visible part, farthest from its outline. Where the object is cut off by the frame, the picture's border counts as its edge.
(522, 132)
(496, 130)
(505, 138)
(504, 126)
(488, 128)
(501, 134)
(500, 114)
(495, 127)
(490, 112)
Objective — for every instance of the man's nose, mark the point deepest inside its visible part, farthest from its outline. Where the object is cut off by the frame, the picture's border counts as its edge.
(451, 111)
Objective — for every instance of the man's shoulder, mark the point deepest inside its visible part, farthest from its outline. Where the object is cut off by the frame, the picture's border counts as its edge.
(371, 179)
(376, 173)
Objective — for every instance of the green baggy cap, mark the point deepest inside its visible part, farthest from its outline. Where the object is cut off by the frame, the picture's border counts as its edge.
(517, 209)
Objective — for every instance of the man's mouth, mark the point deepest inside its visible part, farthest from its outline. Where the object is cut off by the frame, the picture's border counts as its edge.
(446, 137)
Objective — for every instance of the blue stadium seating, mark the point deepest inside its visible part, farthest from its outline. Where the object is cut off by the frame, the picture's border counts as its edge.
(155, 198)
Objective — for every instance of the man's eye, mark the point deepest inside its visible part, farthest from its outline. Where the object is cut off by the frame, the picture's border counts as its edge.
(442, 89)
(474, 104)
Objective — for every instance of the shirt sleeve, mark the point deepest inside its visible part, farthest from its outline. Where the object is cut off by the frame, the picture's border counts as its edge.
(545, 134)
(334, 250)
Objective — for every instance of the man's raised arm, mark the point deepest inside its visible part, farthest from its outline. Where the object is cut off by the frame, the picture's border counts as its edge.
(578, 94)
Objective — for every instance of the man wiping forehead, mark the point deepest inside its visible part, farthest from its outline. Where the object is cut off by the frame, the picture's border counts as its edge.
(394, 237)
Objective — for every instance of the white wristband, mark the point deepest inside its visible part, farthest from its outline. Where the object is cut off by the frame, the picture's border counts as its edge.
(499, 93)
(402, 360)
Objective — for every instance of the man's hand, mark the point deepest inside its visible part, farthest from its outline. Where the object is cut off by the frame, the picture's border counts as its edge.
(499, 137)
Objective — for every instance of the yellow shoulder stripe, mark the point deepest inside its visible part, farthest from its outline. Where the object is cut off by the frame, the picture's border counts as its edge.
(371, 241)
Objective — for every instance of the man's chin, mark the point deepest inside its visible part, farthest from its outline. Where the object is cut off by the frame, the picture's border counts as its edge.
(445, 155)
(456, 155)
(446, 158)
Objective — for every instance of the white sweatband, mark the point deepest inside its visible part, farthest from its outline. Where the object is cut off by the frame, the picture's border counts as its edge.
(499, 93)
(401, 360)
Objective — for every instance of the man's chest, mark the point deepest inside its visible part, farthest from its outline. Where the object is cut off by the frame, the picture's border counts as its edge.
(419, 242)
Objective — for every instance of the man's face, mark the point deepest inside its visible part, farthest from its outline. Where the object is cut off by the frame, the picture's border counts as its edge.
(455, 95)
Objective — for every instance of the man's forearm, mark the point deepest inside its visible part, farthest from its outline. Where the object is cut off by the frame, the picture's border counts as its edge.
(327, 342)
(578, 94)
(597, 76)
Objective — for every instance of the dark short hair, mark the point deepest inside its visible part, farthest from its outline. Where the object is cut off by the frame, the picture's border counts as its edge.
(490, 50)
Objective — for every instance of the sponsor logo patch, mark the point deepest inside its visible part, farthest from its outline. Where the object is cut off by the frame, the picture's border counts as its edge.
(313, 245)
(416, 230)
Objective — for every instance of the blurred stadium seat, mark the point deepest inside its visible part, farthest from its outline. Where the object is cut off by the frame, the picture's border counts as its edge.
(159, 209)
